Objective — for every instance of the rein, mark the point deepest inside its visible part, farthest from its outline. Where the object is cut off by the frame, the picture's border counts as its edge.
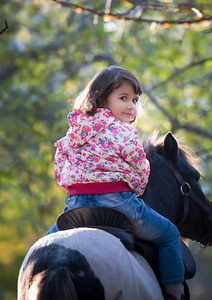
(187, 193)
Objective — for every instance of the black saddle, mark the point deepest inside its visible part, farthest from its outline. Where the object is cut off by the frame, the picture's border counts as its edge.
(116, 223)
(104, 218)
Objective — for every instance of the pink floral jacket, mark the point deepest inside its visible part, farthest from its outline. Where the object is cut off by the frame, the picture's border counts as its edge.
(100, 148)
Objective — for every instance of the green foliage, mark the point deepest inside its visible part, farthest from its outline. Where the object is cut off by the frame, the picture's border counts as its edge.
(47, 56)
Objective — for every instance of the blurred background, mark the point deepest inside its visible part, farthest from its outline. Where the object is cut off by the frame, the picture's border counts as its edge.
(48, 54)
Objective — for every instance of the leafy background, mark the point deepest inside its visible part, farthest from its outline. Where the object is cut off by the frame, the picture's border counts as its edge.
(47, 56)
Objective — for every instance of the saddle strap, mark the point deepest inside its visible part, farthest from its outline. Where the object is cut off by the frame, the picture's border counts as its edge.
(186, 293)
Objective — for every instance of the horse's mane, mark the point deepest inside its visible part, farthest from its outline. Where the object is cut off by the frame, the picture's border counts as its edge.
(154, 144)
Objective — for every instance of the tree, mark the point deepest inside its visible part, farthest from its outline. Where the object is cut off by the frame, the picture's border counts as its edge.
(48, 53)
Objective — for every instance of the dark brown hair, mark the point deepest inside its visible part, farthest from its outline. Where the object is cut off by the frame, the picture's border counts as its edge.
(96, 93)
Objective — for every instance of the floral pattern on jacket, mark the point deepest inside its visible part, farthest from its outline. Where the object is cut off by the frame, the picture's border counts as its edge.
(100, 148)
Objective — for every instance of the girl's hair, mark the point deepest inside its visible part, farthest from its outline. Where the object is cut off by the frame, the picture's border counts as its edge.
(96, 93)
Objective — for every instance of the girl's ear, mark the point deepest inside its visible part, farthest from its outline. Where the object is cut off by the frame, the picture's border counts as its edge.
(171, 148)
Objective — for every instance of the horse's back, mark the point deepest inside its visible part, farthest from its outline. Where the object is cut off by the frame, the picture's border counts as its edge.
(101, 262)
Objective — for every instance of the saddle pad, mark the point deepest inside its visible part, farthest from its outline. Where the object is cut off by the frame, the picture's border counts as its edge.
(108, 219)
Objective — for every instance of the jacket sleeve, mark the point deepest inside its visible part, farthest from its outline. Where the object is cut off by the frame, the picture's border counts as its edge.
(59, 160)
(133, 153)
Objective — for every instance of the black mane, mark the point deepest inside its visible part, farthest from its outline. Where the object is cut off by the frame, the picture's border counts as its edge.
(154, 144)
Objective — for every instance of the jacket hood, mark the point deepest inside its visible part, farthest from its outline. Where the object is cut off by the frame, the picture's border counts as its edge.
(84, 127)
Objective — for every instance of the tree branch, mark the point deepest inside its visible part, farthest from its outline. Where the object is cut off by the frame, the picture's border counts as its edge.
(155, 102)
(175, 123)
(195, 129)
(5, 28)
(178, 72)
(7, 71)
(86, 10)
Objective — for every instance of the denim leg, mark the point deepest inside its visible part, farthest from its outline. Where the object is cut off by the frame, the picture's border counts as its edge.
(165, 235)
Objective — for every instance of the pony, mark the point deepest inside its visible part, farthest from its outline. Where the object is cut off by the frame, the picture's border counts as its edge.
(89, 263)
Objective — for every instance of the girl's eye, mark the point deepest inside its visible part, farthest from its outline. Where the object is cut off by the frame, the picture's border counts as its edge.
(135, 101)
(124, 98)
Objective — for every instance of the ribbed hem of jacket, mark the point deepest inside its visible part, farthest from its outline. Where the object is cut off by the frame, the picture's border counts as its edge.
(98, 188)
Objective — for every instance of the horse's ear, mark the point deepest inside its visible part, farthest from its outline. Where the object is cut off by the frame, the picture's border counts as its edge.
(171, 147)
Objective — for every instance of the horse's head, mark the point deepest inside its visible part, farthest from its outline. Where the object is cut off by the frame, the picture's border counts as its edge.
(173, 169)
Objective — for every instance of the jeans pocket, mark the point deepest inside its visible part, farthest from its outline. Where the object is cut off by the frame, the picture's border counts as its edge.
(71, 200)
(67, 198)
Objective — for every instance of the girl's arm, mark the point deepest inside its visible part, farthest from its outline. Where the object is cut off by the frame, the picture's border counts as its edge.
(133, 153)
(59, 160)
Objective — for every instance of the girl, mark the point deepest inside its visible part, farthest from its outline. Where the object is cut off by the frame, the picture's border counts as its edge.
(101, 162)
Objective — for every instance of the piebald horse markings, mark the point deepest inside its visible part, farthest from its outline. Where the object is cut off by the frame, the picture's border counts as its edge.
(102, 267)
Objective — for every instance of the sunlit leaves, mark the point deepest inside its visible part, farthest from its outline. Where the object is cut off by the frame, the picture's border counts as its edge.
(47, 56)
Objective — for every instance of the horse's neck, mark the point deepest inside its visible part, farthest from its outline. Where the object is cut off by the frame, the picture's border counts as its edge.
(162, 193)
(156, 203)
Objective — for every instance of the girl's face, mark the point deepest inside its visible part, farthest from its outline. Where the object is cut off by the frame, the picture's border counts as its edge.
(123, 102)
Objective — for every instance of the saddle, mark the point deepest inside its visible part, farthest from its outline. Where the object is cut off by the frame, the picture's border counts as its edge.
(116, 223)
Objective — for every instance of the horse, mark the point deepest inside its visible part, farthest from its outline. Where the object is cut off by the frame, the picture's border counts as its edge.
(90, 263)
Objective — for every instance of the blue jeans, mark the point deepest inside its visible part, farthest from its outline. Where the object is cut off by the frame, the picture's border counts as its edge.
(147, 225)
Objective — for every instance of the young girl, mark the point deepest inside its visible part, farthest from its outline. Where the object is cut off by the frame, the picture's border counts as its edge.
(101, 162)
